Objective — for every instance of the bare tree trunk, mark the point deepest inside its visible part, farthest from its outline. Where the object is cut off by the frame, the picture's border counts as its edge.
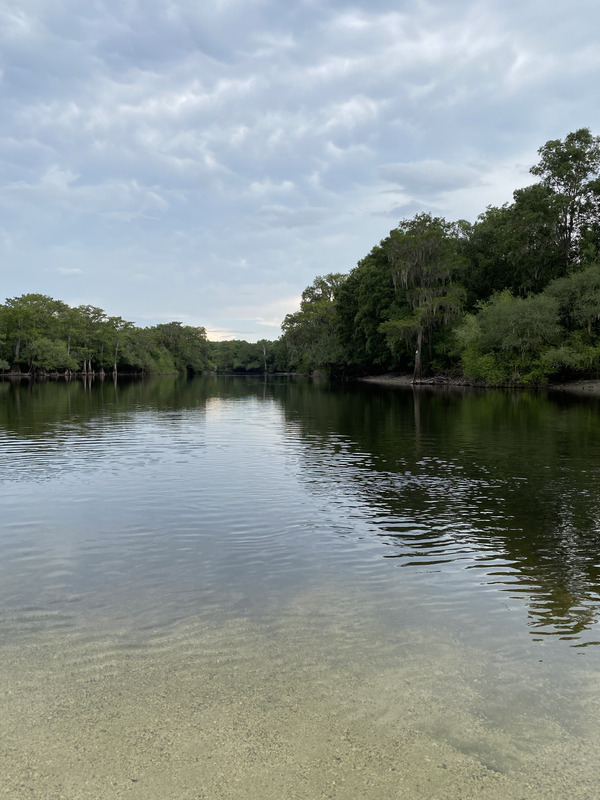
(417, 370)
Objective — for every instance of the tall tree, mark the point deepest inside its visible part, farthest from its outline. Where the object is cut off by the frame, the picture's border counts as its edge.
(91, 338)
(27, 319)
(189, 345)
(570, 169)
(365, 300)
(311, 334)
(517, 246)
(426, 264)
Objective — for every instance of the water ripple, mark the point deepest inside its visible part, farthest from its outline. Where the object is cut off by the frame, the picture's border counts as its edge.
(153, 512)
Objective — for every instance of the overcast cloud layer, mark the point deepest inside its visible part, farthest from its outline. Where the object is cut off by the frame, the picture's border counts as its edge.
(203, 162)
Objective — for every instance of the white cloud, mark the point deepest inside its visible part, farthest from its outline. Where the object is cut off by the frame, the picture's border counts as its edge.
(268, 187)
(355, 111)
(281, 216)
(266, 310)
(430, 176)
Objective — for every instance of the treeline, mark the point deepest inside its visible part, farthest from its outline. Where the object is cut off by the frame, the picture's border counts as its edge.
(509, 300)
(41, 335)
(239, 356)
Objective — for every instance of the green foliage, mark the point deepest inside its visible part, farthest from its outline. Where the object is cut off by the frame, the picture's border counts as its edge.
(143, 352)
(518, 324)
(527, 273)
(578, 296)
(503, 344)
(188, 346)
(364, 301)
(573, 356)
(427, 264)
(311, 334)
(424, 252)
(39, 334)
(26, 319)
(517, 247)
(51, 355)
(570, 170)
(237, 355)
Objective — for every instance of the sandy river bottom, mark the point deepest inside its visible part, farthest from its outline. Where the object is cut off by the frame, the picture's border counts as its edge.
(300, 705)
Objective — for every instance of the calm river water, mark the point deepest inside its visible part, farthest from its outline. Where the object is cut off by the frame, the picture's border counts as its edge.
(248, 588)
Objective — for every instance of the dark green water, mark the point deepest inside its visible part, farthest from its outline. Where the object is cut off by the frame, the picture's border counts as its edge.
(436, 552)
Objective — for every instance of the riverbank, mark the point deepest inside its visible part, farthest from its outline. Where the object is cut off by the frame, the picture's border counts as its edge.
(578, 387)
(407, 380)
(584, 387)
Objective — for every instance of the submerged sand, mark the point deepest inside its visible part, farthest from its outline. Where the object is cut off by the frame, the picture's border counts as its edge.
(297, 708)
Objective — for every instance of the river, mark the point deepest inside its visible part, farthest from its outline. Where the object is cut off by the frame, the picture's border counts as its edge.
(281, 588)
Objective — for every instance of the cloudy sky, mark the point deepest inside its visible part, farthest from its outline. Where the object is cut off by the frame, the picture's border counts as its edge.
(204, 161)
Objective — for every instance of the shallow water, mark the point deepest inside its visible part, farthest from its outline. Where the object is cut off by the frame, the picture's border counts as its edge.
(261, 589)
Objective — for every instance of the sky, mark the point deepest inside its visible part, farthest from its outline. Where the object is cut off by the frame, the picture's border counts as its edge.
(205, 161)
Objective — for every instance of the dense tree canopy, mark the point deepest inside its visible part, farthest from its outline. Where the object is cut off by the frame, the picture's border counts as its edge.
(40, 334)
(511, 299)
(426, 265)
(311, 334)
(569, 169)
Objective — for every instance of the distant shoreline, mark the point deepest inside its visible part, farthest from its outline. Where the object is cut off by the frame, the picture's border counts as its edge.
(580, 387)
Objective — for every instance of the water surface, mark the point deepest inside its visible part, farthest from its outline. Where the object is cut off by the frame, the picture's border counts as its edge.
(232, 587)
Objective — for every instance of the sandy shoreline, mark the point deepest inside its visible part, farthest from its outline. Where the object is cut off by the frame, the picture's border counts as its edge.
(587, 387)
(578, 387)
